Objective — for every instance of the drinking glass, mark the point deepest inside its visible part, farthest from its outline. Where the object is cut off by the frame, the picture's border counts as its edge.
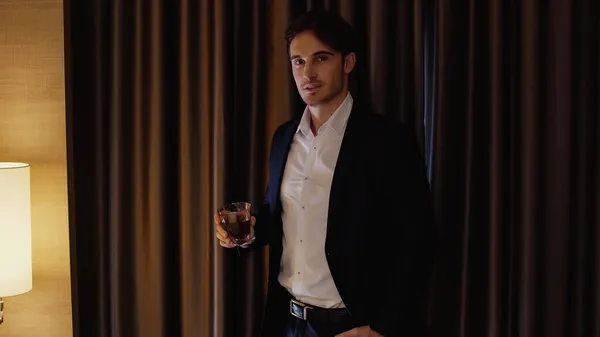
(235, 219)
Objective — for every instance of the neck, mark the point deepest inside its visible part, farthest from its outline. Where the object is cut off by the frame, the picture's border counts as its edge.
(320, 113)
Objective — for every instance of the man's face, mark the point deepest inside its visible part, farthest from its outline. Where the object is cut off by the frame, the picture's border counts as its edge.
(319, 71)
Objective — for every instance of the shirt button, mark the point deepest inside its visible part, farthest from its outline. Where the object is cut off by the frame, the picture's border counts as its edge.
(305, 178)
(300, 240)
(302, 207)
(315, 147)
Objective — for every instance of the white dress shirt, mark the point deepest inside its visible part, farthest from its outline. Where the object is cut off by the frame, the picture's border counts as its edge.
(305, 191)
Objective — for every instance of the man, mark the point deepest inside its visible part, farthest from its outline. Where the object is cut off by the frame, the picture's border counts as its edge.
(347, 212)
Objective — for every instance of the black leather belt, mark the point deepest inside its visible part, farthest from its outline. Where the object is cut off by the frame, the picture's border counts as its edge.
(299, 309)
(307, 312)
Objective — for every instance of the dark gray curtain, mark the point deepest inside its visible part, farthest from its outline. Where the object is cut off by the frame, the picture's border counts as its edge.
(516, 168)
(170, 110)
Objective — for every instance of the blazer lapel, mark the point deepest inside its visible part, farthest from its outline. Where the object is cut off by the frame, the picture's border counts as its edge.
(341, 184)
(280, 154)
(341, 176)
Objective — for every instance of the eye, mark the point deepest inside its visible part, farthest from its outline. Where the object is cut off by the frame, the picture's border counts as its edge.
(297, 62)
(321, 58)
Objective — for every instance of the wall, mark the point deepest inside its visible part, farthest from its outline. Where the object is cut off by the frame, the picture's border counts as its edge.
(32, 129)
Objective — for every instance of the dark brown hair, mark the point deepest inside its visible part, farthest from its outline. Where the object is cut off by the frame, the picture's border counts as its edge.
(329, 27)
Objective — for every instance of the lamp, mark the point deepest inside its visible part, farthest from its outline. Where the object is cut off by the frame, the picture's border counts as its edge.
(15, 231)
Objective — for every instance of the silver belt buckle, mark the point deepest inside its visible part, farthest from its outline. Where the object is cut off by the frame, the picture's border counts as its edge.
(304, 309)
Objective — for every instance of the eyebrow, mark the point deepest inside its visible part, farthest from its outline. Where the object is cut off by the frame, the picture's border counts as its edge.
(320, 52)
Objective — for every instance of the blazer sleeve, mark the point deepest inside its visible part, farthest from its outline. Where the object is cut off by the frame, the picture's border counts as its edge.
(263, 222)
(408, 260)
(262, 227)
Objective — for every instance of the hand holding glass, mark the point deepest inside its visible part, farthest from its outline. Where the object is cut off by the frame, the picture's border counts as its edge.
(233, 224)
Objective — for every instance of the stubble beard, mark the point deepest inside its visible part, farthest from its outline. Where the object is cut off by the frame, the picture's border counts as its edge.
(330, 96)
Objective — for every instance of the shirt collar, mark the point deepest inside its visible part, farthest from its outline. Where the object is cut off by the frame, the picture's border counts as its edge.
(337, 121)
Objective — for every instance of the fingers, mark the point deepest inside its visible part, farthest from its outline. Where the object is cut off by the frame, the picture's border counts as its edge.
(219, 227)
(224, 241)
(357, 332)
(223, 237)
(226, 245)
(222, 234)
(252, 221)
(221, 231)
(349, 333)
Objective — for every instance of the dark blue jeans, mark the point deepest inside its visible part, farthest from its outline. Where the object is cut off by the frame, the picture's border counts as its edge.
(300, 328)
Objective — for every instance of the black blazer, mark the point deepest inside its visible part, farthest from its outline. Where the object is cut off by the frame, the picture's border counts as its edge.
(380, 241)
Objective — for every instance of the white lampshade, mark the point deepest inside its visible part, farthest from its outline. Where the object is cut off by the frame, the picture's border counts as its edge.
(15, 229)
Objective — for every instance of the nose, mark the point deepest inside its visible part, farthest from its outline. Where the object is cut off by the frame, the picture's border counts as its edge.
(309, 73)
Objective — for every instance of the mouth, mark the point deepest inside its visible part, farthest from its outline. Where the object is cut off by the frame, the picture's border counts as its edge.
(311, 87)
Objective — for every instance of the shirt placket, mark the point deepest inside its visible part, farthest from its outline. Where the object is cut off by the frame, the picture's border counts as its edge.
(304, 218)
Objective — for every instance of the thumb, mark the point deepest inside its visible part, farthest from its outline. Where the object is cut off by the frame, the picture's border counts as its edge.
(252, 221)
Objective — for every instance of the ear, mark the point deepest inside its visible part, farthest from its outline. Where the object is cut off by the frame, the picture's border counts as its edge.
(349, 62)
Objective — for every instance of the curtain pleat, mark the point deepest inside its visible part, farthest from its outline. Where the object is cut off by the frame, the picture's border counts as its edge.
(515, 169)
